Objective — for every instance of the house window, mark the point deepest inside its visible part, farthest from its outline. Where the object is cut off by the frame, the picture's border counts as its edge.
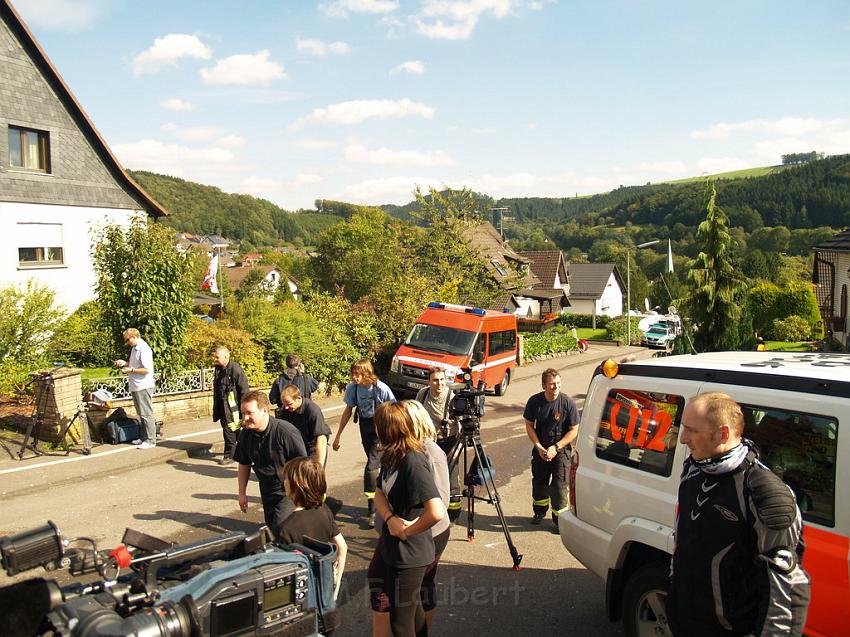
(29, 149)
(499, 267)
(40, 244)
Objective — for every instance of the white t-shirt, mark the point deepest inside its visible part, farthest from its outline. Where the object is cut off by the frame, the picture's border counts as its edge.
(141, 356)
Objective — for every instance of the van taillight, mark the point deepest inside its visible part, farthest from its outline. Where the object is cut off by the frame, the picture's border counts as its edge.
(573, 470)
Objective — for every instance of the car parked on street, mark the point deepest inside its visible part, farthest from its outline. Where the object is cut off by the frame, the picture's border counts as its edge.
(627, 463)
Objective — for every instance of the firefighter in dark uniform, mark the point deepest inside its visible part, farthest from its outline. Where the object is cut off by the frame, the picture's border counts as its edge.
(229, 386)
(551, 422)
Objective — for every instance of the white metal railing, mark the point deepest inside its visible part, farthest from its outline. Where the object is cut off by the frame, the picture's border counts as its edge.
(191, 380)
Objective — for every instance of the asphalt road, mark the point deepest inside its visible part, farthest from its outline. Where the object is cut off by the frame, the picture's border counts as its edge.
(479, 593)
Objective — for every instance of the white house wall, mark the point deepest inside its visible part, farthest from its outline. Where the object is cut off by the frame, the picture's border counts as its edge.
(74, 280)
(611, 303)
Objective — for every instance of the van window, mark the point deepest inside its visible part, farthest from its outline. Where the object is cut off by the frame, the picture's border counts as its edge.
(639, 429)
(480, 348)
(501, 342)
(441, 339)
(801, 449)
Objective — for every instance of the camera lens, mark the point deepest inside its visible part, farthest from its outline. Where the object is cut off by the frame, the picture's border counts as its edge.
(165, 620)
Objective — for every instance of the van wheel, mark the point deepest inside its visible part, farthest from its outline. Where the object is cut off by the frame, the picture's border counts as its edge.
(644, 597)
(502, 387)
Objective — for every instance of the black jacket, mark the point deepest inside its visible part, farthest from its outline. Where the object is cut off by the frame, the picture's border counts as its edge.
(227, 379)
(736, 566)
(305, 383)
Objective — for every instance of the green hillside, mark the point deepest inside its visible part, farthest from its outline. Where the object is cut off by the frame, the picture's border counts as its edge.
(201, 209)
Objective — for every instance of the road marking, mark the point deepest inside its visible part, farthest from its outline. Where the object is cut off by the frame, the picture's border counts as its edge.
(101, 454)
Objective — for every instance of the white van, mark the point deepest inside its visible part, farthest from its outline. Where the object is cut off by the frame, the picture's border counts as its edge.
(627, 462)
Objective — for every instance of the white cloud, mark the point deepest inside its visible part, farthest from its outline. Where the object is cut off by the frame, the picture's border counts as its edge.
(396, 190)
(230, 141)
(306, 179)
(714, 165)
(358, 153)
(176, 104)
(663, 167)
(357, 111)
(784, 126)
(312, 144)
(245, 70)
(260, 186)
(191, 133)
(171, 159)
(457, 19)
(322, 49)
(414, 67)
(60, 15)
(167, 50)
(341, 8)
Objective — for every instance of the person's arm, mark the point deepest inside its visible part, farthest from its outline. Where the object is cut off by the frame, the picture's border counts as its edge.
(433, 512)
(312, 383)
(343, 421)
(785, 588)
(532, 435)
(274, 393)
(341, 553)
(242, 386)
(382, 505)
(321, 453)
(243, 473)
(565, 440)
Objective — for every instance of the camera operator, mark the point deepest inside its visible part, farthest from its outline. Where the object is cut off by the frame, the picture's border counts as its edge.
(551, 422)
(267, 444)
(437, 398)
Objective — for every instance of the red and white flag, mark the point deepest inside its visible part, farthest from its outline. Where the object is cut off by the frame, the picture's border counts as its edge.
(210, 282)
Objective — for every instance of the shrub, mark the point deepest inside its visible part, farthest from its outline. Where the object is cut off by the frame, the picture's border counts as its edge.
(82, 339)
(203, 337)
(793, 328)
(551, 342)
(768, 303)
(618, 329)
(583, 320)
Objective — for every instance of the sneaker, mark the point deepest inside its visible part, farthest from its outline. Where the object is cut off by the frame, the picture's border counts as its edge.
(137, 441)
(537, 520)
(147, 444)
(225, 460)
(555, 522)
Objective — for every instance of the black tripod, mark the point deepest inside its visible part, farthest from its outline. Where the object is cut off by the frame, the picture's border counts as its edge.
(34, 427)
(469, 437)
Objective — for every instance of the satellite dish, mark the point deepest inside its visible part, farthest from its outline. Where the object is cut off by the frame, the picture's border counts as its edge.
(672, 309)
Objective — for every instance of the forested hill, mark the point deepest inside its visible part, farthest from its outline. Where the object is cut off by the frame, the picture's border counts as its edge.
(809, 195)
(201, 209)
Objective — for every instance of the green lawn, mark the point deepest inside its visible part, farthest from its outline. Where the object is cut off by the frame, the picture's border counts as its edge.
(788, 346)
(97, 372)
(590, 334)
(734, 174)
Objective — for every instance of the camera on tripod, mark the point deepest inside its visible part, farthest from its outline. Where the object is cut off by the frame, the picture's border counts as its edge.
(232, 584)
(467, 404)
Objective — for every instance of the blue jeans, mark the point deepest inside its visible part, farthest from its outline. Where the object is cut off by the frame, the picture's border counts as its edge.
(143, 402)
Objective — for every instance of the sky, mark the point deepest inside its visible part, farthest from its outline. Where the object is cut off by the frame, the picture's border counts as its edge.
(363, 100)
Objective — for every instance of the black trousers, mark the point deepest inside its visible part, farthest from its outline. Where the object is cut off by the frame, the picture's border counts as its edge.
(407, 617)
(549, 482)
(276, 508)
(229, 438)
(369, 440)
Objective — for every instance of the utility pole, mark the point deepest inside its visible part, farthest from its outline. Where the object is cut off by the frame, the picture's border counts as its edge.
(502, 210)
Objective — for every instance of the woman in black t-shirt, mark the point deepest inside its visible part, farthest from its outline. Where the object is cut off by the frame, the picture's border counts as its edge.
(305, 484)
(409, 503)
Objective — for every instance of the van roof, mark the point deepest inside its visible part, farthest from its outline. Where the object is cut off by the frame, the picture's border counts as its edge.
(463, 309)
(819, 365)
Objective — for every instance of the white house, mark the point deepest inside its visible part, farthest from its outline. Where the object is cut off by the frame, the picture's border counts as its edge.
(58, 178)
(595, 289)
(831, 277)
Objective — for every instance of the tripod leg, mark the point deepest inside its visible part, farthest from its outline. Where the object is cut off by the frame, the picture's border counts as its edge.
(84, 427)
(27, 438)
(493, 494)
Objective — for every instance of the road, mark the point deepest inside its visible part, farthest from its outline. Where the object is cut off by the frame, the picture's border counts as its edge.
(187, 498)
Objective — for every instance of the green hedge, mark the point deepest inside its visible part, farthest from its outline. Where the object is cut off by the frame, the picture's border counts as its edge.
(583, 320)
(551, 342)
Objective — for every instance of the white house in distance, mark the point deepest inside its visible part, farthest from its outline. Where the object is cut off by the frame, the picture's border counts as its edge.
(595, 289)
(58, 178)
(831, 277)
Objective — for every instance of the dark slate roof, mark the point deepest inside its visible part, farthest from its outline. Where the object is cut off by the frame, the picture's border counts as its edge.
(588, 280)
(506, 300)
(838, 243)
(63, 92)
(546, 265)
(236, 275)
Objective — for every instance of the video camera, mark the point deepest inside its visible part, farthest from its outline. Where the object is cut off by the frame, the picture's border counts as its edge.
(232, 584)
(467, 404)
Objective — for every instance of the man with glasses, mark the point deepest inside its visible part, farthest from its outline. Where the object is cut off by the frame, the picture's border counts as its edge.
(139, 371)
(309, 420)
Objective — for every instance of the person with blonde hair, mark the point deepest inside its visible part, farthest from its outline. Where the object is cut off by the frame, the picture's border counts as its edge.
(409, 503)
(362, 397)
(426, 433)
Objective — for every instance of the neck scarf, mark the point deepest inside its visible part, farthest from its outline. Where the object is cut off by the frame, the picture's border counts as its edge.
(729, 461)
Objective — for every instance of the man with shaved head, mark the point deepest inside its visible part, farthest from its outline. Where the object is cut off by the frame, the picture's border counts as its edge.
(736, 566)
(229, 387)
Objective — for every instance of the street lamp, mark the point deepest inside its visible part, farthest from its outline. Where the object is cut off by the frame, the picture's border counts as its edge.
(629, 286)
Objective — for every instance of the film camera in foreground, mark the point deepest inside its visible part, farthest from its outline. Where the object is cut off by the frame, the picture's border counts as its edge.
(467, 409)
(228, 585)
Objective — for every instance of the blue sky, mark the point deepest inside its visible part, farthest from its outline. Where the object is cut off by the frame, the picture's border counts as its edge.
(362, 100)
